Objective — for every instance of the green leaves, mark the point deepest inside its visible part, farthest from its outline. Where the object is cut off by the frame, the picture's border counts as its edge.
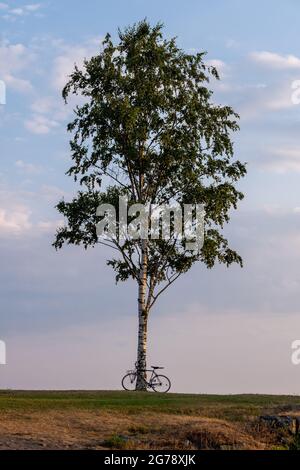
(149, 127)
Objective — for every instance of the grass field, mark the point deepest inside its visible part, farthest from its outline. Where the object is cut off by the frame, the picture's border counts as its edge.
(134, 420)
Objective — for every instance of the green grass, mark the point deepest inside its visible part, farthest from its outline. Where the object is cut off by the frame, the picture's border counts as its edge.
(118, 442)
(225, 406)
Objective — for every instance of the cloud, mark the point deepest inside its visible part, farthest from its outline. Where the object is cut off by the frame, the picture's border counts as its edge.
(16, 220)
(40, 125)
(27, 168)
(70, 55)
(282, 160)
(15, 211)
(33, 7)
(14, 59)
(16, 11)
(14, 56)
(18, 84)
(49, 111)
(43, 105)
(52, 194)
(265, 99)
(280, 98)
(49, 226)
(12, 13)
(276, 61)
(220, 65)
(50, 105)
(28, 213)
(64, 65)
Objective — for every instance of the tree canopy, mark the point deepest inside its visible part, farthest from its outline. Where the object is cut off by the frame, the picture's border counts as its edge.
(149, 130)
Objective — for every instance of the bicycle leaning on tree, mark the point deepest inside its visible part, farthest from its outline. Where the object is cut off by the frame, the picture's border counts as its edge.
(156, 382)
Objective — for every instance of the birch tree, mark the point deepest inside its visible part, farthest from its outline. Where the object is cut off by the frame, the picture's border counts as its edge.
(147, 129)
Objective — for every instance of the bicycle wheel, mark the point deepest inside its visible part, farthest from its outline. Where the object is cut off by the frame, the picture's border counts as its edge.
(161, 383)
(128, 381)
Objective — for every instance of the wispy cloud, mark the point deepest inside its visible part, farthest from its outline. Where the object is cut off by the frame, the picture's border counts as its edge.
(28, 168)
(14, 59)
(70, 55)
(220, 65)
(282, 160)
(21, 211)
(18, 84)
(11, 14)
(33, 7)
(276, 61)
(38, 124)
(15, 220)
(265, 99)
(48, 111)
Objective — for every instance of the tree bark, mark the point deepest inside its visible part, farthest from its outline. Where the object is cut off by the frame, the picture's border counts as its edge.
(143, 321)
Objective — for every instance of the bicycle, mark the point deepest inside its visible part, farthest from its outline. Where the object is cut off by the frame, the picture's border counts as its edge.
(157, 382)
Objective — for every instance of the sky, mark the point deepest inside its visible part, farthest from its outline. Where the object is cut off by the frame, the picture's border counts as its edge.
(65, 323)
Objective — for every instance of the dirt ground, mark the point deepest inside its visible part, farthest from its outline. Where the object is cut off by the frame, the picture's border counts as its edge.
(104, 430)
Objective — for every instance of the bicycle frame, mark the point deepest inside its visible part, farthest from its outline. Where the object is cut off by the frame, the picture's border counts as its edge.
(153, 375)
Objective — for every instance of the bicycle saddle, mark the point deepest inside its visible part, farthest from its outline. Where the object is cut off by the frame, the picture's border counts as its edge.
(156, 367)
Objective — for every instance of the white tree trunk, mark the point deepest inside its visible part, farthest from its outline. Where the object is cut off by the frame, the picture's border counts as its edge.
(143, 320)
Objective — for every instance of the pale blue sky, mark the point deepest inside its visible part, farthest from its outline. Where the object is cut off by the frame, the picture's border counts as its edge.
(61, 314)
